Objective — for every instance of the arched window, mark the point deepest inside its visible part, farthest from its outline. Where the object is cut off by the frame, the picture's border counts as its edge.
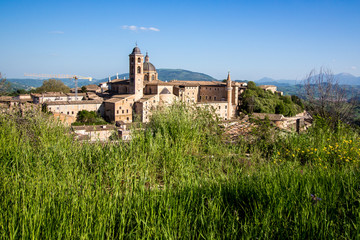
(139, 60)
(146, 78)
(153, 77)
(139, 70)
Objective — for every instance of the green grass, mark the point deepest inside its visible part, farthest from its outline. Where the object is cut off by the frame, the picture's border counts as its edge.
(175, 180)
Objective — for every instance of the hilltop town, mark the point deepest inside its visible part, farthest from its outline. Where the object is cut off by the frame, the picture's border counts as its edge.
(123, 101)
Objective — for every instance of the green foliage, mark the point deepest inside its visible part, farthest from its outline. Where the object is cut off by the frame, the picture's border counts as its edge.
(175, 179)
(5, 87)
(53, 85)
(83, 89)
(89, 118)
(251, 85)
(255, 99)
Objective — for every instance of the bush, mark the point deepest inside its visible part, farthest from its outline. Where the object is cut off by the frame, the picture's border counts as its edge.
(89, 117)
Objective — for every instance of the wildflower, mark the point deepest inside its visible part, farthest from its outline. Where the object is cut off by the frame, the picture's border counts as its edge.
(314, 198)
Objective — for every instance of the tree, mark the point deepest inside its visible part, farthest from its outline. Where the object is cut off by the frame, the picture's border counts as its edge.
(83, 89)
(5, 86)
(251, 85)
(325, 97)
(53, 85)
(89, 117)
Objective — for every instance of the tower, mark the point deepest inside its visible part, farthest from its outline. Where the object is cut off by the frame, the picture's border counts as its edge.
(136, 73)
(229, 91)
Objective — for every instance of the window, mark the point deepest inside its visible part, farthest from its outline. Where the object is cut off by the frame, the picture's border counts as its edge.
(210, 97)
(120, 107)
(153, 77)
(127, 110)
(139, 69)
(122, 111)
(225, 107)
(127, 118)
(205, 97)
(117, 112)
(68, 113)
(219, 107)
(73, 112)
(139, 60)
(215, 98)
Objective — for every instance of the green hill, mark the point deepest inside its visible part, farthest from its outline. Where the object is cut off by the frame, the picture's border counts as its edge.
(180, 74)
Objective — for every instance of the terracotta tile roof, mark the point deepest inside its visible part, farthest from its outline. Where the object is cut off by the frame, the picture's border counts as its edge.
(158, 82)
(74, 102)
(117, 98)
(266, 86)
(146, 98)
(197, 83)
(120, 81)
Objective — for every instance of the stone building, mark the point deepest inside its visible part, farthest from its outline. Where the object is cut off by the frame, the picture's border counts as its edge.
(73, 107)
(119, 108)
(55, 96)
(149, 92)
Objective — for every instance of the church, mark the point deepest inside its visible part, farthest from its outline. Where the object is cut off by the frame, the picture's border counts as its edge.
(134, 98)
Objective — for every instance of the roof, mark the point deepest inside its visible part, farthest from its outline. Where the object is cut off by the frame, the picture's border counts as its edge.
(74, 102)
(6, 99)
(120, 81)
(271, 116)
(209, 102)
(136, 50)
(117, 98)
(146, 98)
(266, 86)
(197, 83)
(92, 87)
(91, 128)
(148, 66)
(159, 82)
(165, 91)
(56, 94)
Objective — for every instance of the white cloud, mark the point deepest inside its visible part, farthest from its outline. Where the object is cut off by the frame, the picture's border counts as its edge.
(353, 68)
(154, 29)
(56, 32)
(136, 28)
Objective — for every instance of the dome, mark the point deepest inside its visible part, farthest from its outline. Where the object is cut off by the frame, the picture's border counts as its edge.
(147, 66)
(136, 50)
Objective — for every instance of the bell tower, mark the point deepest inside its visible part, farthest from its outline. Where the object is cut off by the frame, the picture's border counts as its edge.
(136, 73)
(229, 100)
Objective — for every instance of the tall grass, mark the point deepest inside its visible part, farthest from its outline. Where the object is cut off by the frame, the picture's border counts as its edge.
(175, 180)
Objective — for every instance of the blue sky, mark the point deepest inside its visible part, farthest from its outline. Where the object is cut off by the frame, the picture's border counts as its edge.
(252, 39)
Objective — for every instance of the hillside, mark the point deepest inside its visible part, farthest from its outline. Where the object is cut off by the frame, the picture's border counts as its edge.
(164, 75)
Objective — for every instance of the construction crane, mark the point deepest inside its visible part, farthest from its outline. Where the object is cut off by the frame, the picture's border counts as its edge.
(75, 77)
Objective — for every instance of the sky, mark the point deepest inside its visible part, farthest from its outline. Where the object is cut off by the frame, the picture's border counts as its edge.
(251, 39)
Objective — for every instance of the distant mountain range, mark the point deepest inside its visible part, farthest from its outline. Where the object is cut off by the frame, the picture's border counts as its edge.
(342, 78)
(180, 74)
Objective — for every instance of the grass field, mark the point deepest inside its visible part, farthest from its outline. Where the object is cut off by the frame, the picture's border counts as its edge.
(177, 179)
